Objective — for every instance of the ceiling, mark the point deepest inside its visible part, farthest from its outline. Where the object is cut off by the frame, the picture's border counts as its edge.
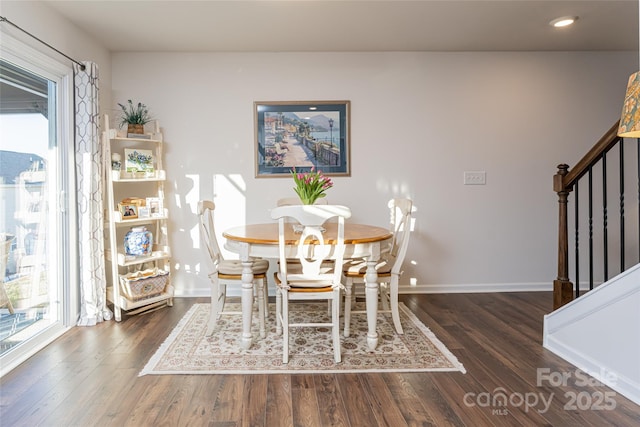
(353, 26)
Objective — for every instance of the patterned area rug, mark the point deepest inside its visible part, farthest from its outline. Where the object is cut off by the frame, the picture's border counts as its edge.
(188, 351)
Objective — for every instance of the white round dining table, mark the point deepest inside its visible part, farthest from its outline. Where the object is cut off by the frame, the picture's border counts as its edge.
(253, 241)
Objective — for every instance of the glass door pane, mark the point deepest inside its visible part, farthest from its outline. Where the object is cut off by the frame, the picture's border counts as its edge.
(29, 291)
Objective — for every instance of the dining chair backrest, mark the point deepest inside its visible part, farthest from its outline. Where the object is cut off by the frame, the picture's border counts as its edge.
(206, 209)
(313, 249)
(290, 201)
(295, 201)
(400, 223)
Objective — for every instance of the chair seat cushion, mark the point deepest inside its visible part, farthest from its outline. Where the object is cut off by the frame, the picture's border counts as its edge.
(234, 267)
(358, 267)
(306, 289)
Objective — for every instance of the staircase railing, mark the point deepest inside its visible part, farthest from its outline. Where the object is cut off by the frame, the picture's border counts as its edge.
(566, 181)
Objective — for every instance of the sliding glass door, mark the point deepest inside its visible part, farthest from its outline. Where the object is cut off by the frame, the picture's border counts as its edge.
(35, 261)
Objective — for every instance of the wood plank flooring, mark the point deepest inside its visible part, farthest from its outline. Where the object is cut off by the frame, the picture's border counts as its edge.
(89, 377)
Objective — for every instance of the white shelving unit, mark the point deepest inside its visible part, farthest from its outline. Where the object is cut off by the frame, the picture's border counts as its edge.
(119, 186)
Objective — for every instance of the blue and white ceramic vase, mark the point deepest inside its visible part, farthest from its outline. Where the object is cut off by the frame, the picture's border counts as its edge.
(138, 242)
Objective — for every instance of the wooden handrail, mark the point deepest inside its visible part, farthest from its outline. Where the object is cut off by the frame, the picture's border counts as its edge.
(605, 143)
(563, 183)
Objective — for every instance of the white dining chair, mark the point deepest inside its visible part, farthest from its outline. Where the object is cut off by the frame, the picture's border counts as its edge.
(311, 279)
(389, 268)
(291, 201)
(295, 201)
(226, 272)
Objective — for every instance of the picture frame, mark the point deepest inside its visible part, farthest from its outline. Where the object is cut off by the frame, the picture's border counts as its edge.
(138, 160)
(154, 204)
(318, 132)
(143, 212)
(128, 211)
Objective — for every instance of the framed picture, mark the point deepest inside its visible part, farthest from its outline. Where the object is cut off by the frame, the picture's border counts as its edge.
(154, 204)
(138, 160)
(143, 212)
(301, 134)
(128, 211)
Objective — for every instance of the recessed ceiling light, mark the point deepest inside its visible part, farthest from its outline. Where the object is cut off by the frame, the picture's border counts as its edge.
(563, 21)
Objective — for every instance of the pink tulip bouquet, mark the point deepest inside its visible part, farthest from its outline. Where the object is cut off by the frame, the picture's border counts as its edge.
(310, 186)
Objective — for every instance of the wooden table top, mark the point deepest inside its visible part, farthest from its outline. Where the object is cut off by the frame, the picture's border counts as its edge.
(267, 234)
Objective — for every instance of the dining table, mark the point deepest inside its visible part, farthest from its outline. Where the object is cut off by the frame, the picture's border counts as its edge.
(362, 241)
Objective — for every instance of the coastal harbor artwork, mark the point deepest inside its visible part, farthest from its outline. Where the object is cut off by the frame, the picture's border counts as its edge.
(302, 135)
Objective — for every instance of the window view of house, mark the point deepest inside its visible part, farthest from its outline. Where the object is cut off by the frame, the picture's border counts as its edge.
(24, 204)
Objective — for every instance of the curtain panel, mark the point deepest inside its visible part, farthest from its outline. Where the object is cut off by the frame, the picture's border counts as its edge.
(89, 184)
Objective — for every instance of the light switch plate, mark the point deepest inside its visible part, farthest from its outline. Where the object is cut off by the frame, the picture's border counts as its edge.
(475, 178)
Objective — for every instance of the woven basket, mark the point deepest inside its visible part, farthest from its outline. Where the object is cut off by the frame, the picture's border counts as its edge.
(143, 284)
(135, 128)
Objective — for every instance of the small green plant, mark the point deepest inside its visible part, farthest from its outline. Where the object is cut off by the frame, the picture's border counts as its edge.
(134, 114)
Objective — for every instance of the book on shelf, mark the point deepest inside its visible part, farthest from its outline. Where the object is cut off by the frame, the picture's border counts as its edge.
(139, 135)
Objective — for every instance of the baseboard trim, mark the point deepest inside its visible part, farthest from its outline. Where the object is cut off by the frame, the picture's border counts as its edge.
(198, 293)
(476, 288)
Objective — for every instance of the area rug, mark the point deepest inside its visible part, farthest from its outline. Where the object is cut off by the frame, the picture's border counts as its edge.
(188, 351)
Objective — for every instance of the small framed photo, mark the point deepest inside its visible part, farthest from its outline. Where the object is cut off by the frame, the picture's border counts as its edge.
(301, 135)
(128, 211)
(143, 212)
(154, 204)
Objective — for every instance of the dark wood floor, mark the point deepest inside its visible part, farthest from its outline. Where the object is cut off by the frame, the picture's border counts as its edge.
(89, 377)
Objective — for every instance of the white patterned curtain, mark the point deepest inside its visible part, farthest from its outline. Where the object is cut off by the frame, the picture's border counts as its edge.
(89, 171)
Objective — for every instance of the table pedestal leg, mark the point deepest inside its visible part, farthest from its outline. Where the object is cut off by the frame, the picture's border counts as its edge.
(247, 303)
(371, 294)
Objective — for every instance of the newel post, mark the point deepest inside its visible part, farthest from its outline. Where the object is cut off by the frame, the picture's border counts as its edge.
(562, 287)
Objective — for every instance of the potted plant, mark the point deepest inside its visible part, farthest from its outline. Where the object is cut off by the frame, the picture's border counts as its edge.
(135, 116)
(311, 185)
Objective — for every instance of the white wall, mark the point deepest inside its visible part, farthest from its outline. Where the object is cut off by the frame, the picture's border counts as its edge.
(418, 121)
